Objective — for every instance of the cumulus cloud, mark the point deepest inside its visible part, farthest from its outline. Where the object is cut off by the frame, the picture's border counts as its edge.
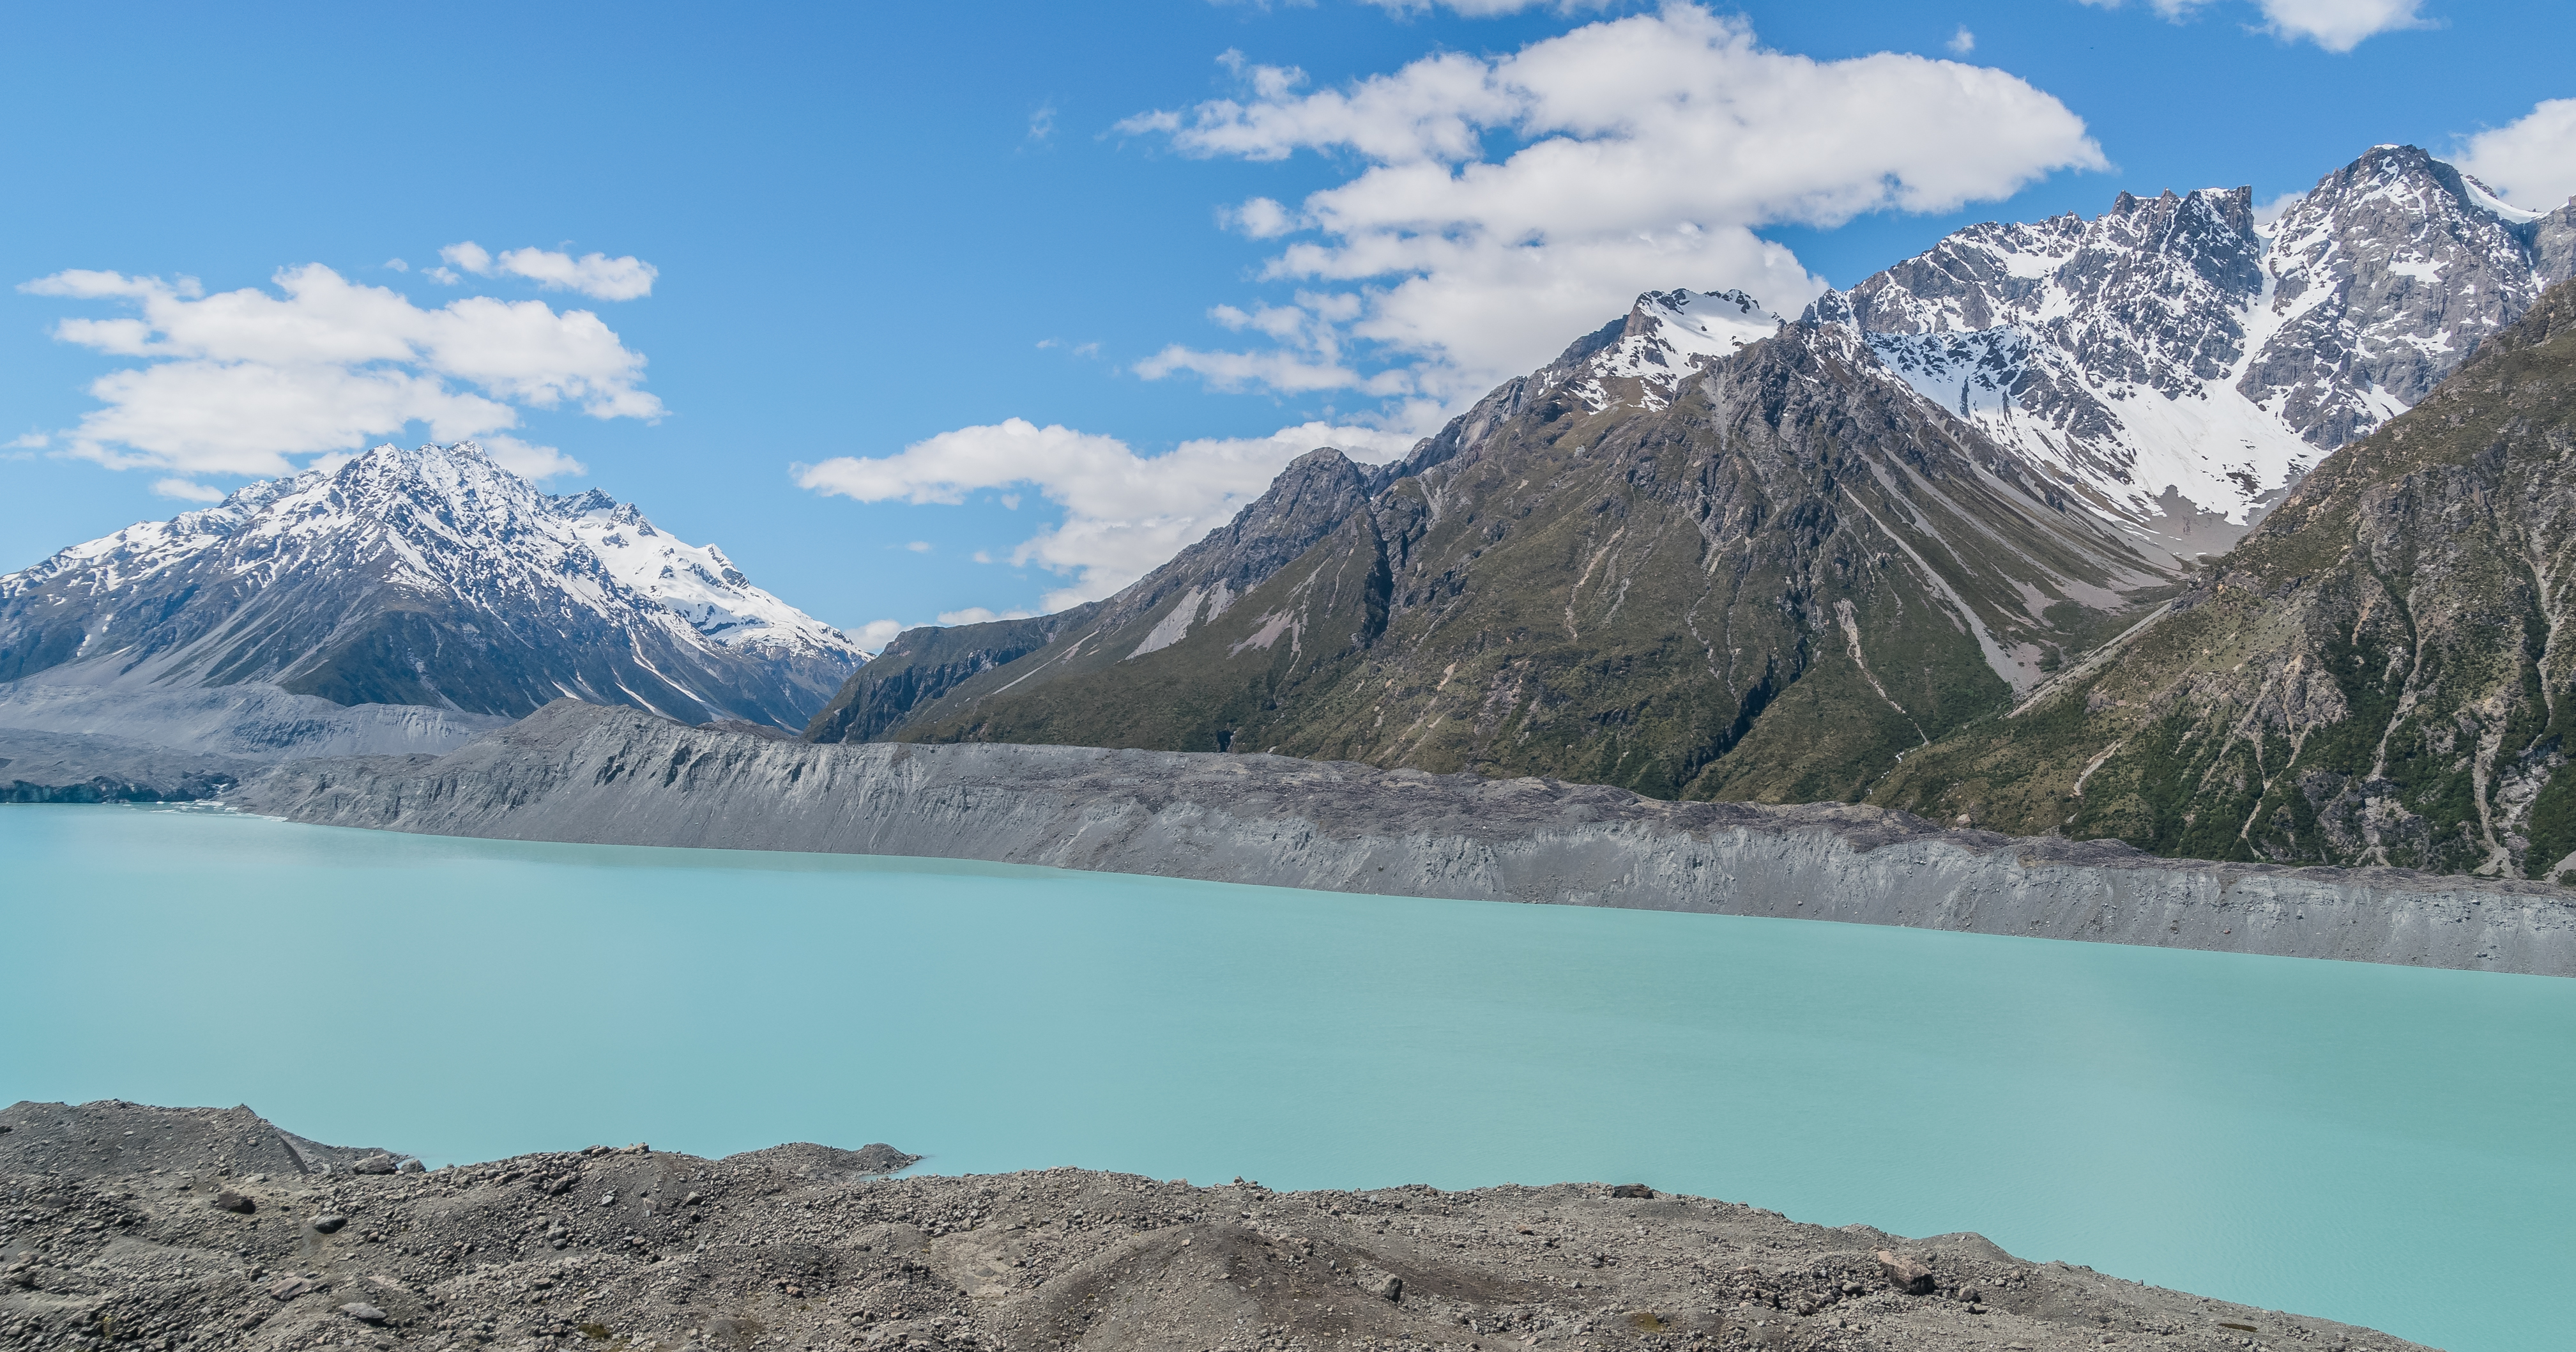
(875, 634)
(1962, 42)
(186, 491)
(1648, 150)
(595, 275)
(236, 382)
(2336, 25)
(1123, 513)
(982, 615)
(533, 462)
(1486, 9)
(2531, 161)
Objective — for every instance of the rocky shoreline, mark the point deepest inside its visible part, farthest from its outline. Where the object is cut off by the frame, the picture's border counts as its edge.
(581, 773)
(123, 1225)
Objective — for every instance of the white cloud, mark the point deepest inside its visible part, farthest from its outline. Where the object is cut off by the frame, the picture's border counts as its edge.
(1962, 42)
(1486, 9)
(186, 491)
(2267, 212)
(534, 462)
(595, 275)
(1123, 513)
(982, 615)
(919, 546)
(236, 382)
(875, 634)
(1649, 149)
(2336, 25)
(2531, 161)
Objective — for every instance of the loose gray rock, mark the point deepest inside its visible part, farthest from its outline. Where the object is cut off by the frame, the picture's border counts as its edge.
(1030, 1262)
(1905, 1274)
(234, 1202)
(329, 1224)
(363, 1312)
(375, 1164)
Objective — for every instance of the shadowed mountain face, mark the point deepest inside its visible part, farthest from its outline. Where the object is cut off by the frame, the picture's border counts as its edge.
(429, 576)
(2378, 675)
(1763, 583)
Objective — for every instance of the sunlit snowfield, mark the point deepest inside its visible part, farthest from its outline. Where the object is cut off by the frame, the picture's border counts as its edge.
(2373, 1144)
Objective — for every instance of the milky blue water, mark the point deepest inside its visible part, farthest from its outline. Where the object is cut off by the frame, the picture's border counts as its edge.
(2380, 1145)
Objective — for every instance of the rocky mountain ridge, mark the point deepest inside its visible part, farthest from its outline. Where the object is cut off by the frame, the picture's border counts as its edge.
(430, 576)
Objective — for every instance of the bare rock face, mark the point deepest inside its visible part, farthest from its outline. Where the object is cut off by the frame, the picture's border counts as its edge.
(745, 1252)
(574, 772)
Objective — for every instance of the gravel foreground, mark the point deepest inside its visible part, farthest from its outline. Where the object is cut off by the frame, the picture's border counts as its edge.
(127, 1226)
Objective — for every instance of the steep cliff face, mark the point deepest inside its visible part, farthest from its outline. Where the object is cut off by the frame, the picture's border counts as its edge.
(580, 773)
(428, 576)
(2379, 674)
(1763, 574)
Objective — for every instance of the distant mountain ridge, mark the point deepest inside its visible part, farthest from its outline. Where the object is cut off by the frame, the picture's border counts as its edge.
(428, 576)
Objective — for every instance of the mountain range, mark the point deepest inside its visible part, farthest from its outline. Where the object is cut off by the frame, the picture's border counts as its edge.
(1714, 552)
(2222, 531)
(429, 576)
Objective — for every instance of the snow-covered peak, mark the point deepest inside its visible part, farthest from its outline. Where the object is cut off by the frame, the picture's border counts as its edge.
(2180, 364)
(1669, 336)
(450, 519)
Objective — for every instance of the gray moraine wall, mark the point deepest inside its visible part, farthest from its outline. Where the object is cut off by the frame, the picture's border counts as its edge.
(580, 773)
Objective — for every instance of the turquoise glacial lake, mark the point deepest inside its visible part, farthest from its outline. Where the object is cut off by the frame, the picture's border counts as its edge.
(2379, 1145)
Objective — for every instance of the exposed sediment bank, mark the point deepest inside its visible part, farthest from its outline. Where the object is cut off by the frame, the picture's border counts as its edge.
(157, 1227)
(580, 773)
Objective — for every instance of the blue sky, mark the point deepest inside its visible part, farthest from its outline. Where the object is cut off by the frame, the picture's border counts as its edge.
(873, 228)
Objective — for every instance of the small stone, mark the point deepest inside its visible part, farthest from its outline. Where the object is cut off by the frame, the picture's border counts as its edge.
(363, 1312)
(1632, 1190)
(375, 1164)
(234, 1202)
(329, 1224)
(1908, 1275)
(411, 1167)
(1380, 1283)
(609, 1199)
(289, 1288)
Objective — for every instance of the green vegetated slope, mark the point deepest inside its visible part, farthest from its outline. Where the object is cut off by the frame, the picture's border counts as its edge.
(1771, 588)
(2375, 675)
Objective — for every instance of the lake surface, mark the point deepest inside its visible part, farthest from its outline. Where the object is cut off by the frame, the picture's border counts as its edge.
(2385, 1146)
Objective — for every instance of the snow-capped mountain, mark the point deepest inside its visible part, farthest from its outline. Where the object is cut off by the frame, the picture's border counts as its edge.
(1667, 337)
(2177, 361)
(428, 576)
